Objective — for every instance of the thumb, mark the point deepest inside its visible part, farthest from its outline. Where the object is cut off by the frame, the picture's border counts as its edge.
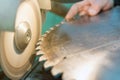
(92, 11)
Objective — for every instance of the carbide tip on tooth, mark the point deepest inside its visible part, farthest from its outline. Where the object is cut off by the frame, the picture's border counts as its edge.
(62, 22)
(47, 32)
(44, 35)
(42, 58)
(48, 64)
(56, 72)
(40, 52)
(38, 44)
(37, 49)
(57, 25)
(52, 28)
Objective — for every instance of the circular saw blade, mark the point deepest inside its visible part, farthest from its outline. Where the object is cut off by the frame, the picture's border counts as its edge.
(93, 36)
(13, 62)
(92, 64)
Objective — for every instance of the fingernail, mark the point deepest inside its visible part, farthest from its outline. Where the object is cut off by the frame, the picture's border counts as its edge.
(92, 12)
(82, 13)
(67, 19)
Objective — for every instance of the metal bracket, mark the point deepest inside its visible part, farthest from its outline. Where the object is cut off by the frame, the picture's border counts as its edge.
(45, 4)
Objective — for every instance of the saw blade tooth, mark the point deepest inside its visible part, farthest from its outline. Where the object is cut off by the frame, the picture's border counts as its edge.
(38, 44)
(62, 22)
(56, 72)
(40, 52)
(52, 63)
(42, 58)
(39, 40)
(47, 32)
(52, 28)
(48, 64)
(44, 35)
(57, 25)
(37, 49)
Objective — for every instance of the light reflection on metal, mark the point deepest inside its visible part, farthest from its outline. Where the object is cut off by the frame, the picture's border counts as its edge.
(22, 35)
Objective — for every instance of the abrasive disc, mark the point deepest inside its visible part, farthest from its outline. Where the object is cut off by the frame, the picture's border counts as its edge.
(16, 63)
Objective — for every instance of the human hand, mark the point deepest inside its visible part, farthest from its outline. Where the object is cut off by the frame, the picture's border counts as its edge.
(89, 7)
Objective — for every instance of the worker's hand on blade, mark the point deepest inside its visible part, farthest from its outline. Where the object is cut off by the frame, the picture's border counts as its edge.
(89, 7)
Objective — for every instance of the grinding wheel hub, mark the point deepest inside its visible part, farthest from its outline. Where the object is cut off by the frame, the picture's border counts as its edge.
(22, 36)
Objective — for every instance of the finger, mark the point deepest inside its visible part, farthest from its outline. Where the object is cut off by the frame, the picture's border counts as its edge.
(83, 13)
(85, 10)
(75, 9)
(94, 10)
(107, 7)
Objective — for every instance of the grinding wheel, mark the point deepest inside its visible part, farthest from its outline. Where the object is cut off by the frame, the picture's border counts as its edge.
(17, 47)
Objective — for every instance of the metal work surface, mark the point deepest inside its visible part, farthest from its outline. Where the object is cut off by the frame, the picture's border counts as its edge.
(84, 49)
